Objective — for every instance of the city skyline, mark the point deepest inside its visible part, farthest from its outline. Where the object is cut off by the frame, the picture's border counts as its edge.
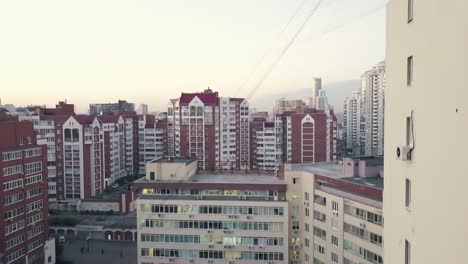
(103, 52)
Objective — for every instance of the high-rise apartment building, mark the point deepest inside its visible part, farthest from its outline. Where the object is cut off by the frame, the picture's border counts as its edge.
(425, 132)
(372, 110)
(303, 135)
(212, 129)
(189, 217)
(316, 88)
(266, 145)
(152, 140)
(23, 195)
(352, 124)
(283, 105)
(114, 147)
(335, 212)
(121, 105)
(308, 135)
(143, 109)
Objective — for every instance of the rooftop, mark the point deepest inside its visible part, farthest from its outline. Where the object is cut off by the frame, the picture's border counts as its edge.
(185, 160)
(329, 169)
(375, 182)
(235, 178)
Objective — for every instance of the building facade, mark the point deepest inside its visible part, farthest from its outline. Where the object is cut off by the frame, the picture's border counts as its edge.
(425, 132)
(283, 105)
(335, 212)
(152, 140)
(212, 129)
(352, 125)
(121, 105)
(372, 110)
(186, 217)
(23, 179)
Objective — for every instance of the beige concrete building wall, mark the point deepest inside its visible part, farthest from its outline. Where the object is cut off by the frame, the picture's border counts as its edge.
(172, 171)
(280, 220)
(435, 223)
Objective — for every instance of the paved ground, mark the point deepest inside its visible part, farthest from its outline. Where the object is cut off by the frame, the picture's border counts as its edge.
(112, 250)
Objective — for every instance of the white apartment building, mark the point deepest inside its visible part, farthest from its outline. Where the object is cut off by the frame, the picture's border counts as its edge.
(114, 136)
(187, 217)
(426, 132)
(352, 123)
(372, 110)
(152, 140)
(335, 212)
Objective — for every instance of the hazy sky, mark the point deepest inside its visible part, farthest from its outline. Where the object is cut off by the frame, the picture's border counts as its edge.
(147, 51)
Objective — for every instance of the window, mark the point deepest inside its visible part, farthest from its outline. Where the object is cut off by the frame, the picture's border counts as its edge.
(334, 257)
(407, 193)
(307, 212)
(334, 240)
(410, 10)
(319, 248)
(334, 223)
(409, 71)
(335, 206)
(407, 252)
(295, 225)
(295, 180)
(152, 176)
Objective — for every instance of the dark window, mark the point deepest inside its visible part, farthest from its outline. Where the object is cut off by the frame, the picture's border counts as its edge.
(407, 252)
(410, 10)
(407, 193)
(152, 176)
(410, 71)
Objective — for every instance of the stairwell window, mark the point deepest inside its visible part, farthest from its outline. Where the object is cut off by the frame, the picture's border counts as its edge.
(409, 66)
(410, 10)
(407, 252)
(408, 193)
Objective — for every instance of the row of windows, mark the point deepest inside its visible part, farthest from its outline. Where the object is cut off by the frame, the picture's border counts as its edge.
(362, 233)
(32, 152)
(363, 214)
(13, 184)
(15, 255)
(14, 241)
(34, 218)
(206, 192)
(34, 167)
(213, 209)
(362, 252)
(211, 254)
(33, 179)
(14, 227)
(12, 155)
(35, 231)
(35, 245)
(224, 225)
(12, 170)
(14, 213)
(34, 206)
(14, 198)
(34, 192)
(212, 239)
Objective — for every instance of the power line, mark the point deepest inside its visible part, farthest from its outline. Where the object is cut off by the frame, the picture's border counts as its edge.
(285, 49)
(259, 62)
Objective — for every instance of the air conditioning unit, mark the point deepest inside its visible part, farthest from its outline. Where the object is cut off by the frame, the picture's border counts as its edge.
(362, 225)
(249, 217)
(335, 213)
(172, 259)
(160, 215)
(404, 153)
(210, 231)
(191, 216)
(210, 246)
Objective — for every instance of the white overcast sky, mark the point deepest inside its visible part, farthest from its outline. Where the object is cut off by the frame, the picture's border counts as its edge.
(147, 51)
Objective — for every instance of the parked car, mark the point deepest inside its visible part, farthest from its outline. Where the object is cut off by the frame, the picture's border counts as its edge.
(115, 185)
(62, 239)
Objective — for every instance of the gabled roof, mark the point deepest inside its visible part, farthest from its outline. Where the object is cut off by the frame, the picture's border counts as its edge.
(109, 118)
(84, 119)
(208, 98)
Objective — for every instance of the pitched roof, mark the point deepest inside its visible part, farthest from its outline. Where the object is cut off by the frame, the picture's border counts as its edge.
(84, 119)
(208, 98)
(109, 118)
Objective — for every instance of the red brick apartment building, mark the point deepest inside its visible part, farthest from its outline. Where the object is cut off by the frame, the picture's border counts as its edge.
(23, 195)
